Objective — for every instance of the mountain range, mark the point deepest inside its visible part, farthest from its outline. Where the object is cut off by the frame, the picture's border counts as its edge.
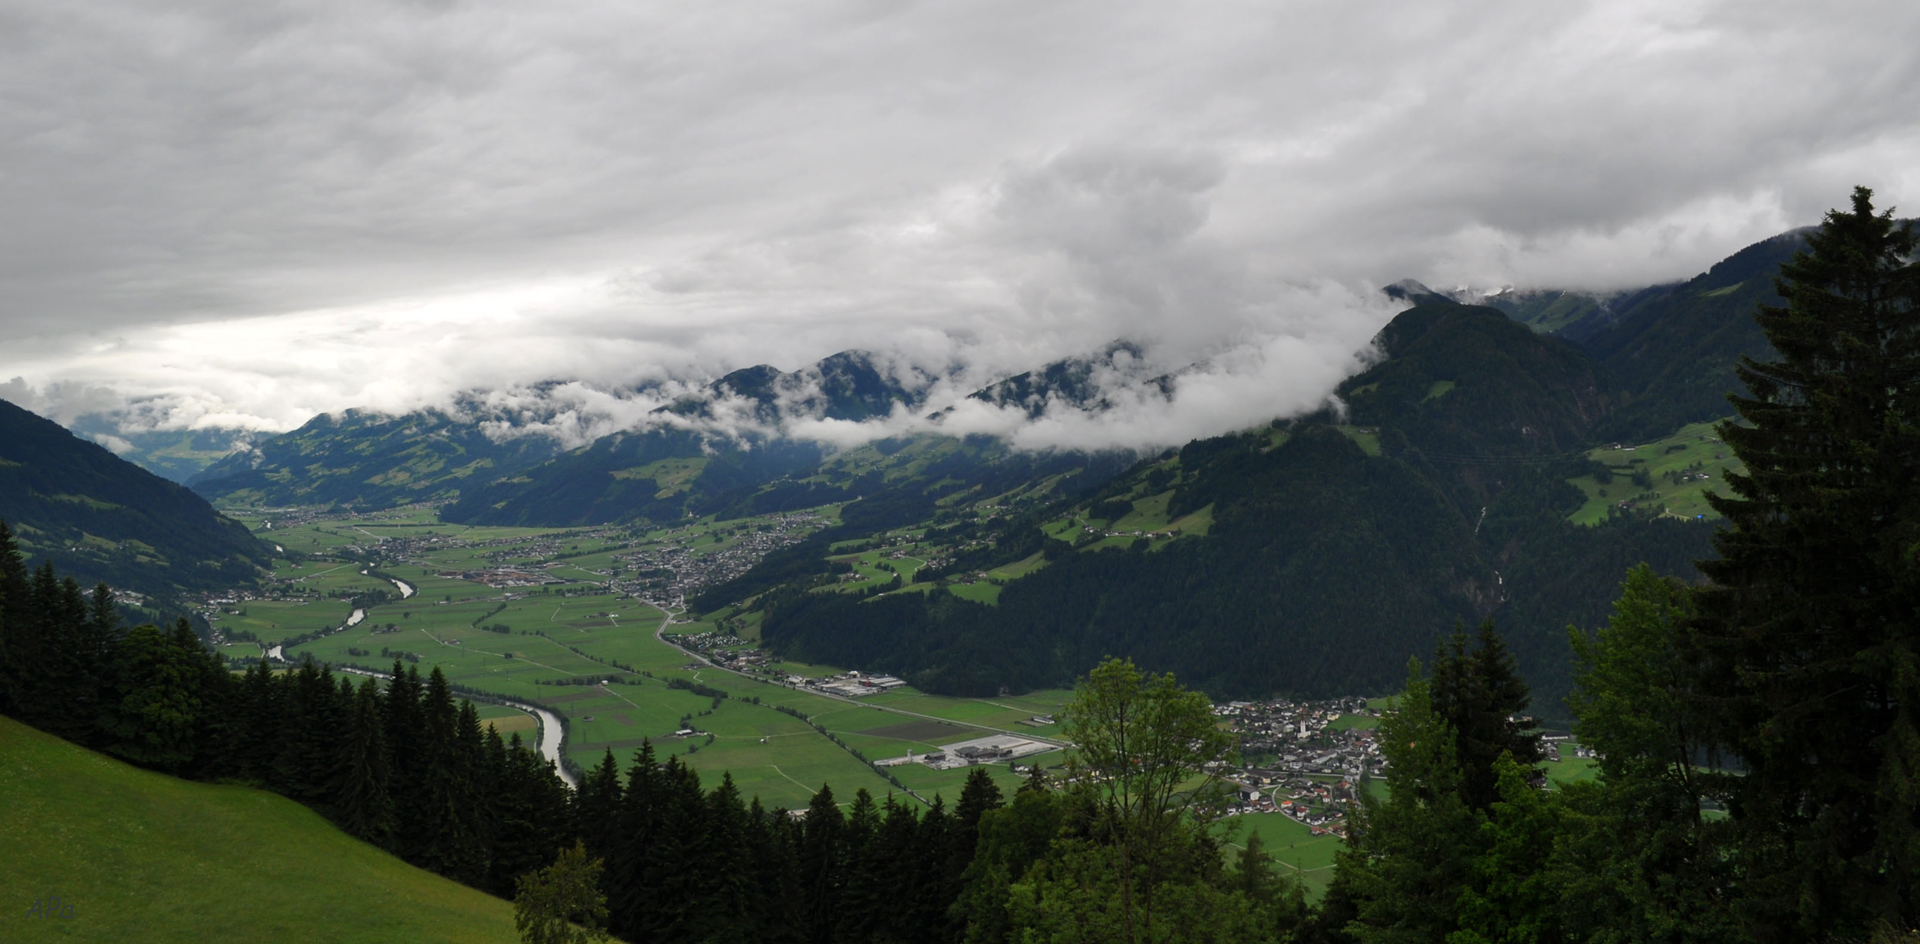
(1311, 556)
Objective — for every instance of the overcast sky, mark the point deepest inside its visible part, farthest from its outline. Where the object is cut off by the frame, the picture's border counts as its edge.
(247, 213)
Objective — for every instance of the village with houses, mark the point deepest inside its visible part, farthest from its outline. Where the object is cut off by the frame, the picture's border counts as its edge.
(1306, 760)
(669, 570)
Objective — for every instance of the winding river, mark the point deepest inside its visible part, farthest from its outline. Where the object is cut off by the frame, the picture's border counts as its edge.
(352, 620)
(550, 730)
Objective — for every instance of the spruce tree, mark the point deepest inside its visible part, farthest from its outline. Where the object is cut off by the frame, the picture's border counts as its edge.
(94, 658)
(1480, 694)
(6, 650)
(862, 902)
(13, 620)
(596, 807)
(447, 782)
(477, 784)
(823, 864)
(775, 903)
(405, 729)
(728, 873)
(897, 852)
(934, 846)
(254, 736)
(313, 716)
(361, 802)
(977, 796)
(629, 901)
(52, 679)
(530, 818)
(677, 872)
(1810, 630)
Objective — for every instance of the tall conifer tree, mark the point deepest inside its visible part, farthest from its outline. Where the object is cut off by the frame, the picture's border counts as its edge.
(729, 878)
(13, 619)
(863, 901)
(1480, 694)
(628, 899)
(595, 808)
(254, 736)
(94, 658)
(1812, 626)
(361, 801)
(775, 903)
(978, 795)
(823, 864)
(405, 730)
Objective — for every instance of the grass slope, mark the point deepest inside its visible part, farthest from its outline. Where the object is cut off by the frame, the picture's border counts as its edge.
(1293, 846)
(1682, 467)
(141, 856)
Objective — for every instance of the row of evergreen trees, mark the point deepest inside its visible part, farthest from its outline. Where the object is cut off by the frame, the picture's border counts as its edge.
(687, 864)
(401, 765)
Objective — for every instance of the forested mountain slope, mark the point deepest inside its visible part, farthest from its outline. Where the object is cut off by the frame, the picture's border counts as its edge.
(661, 474)
(1470, 396)
(1673, 352)
(1335, 550)
(1320, 547)
(99, 517)
(371, 460)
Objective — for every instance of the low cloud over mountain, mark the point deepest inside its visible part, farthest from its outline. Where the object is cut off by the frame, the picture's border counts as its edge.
(239, 220)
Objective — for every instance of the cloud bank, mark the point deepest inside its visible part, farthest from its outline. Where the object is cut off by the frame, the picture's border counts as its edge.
(237, 217)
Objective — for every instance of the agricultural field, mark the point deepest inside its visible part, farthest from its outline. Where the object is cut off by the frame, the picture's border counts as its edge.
(1674, 473)
(877, 568)
(1571, 769)
(568, 626)
(1291, 843)
(1351, 721)
(141, 856)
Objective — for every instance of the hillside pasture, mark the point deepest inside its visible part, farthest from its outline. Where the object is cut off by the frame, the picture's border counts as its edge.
(1682, 468)
(141, 856)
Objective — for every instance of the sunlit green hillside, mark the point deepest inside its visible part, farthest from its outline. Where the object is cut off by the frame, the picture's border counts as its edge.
(1673, 473)
(138, 856)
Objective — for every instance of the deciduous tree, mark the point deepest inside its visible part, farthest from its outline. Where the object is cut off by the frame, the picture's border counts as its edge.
(562, 903)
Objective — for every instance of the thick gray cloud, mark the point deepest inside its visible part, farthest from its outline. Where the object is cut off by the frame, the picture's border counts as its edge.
(241, 214)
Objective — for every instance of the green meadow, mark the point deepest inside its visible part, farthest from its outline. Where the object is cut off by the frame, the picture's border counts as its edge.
(1292, 845)
(1680, 470)
(141, 856)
